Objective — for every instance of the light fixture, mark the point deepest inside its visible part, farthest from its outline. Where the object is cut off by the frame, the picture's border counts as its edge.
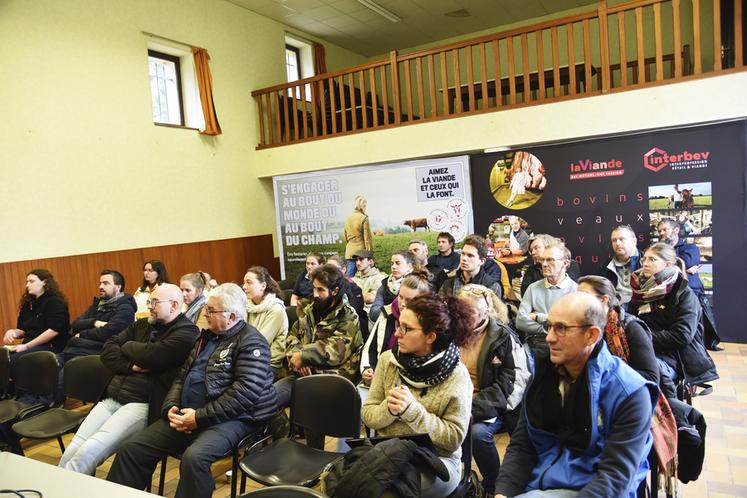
(389, 15)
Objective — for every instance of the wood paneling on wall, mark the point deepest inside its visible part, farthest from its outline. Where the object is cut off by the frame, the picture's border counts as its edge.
(78, 276)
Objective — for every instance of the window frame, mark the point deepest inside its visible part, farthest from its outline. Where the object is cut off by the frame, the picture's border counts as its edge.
(297, 51)
(180, 91)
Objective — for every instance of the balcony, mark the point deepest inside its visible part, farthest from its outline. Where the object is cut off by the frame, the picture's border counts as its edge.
(609, 49)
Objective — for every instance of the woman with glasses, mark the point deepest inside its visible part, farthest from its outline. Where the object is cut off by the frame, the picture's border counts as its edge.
(382, 337)
(421, 387)
(626, 335)
(663, 300)
(497, 365)
(193, 290)
(154, 274)
(266, 312)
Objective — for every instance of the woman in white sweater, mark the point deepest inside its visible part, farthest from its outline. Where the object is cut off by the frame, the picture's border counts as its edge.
(420, 386)
(266, 311)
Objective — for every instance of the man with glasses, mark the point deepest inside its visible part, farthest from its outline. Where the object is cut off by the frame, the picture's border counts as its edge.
(222, 394)
(540, 296)
(144, 359)
(585, 427)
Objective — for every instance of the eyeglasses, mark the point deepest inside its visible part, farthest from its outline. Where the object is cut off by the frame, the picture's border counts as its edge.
(561, 329)
(477, 291)
(152, 303)
(404, 329)
(550, 261)
(210, 312)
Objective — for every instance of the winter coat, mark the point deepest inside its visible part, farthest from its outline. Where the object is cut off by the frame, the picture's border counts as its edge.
(357, 234)
(118, 315)
(162, 350)
(238, 379)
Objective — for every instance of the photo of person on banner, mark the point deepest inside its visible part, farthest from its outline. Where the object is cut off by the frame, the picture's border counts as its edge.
(357, 233)
(518, 180)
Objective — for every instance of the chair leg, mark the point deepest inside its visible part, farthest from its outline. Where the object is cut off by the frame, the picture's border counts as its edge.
(62, 445)
(234, 471)
(243, 483)
(162, 478)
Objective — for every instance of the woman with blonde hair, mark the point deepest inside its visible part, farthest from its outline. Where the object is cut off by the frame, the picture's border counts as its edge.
(497, 365)
(193, 291)
(663, 300)
(357, 233)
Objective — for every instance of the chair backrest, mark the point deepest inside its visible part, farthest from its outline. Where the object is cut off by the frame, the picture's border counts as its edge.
(4, 371)
(36, 373)
(86, 378)
(326, 404)
(284, 492)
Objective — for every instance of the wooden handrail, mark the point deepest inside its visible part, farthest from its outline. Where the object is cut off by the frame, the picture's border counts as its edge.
(404, 88)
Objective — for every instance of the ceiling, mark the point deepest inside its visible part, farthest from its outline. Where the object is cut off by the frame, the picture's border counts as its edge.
(351, 25)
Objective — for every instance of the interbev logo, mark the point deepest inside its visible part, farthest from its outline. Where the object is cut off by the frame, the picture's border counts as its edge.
(657, 159)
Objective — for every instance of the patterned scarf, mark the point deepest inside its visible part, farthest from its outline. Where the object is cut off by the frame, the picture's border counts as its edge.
(393, 284)
(195, 307)
(649, 289)
(424, 371)
(614, 335)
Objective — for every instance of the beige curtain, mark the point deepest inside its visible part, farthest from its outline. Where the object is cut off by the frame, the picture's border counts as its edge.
(205, 84)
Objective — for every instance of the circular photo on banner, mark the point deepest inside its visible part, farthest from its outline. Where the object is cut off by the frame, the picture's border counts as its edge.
(518, 180)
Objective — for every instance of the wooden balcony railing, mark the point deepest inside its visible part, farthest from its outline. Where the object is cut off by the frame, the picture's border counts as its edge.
(608, 49)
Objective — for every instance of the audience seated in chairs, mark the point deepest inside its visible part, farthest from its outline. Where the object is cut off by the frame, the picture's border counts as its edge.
(303, 291)
(420, 386)
(193, 287)
(402, 263)
(222, 393)
(266, 312)
(154, 274)
(353, 293)
(663, 300)
(586, 417)
(473, 260)
(497, 364)
(144, 359)
(533, 272)
(382, 337)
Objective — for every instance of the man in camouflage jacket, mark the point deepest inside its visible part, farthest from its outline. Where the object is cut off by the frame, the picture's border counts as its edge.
(326, 338)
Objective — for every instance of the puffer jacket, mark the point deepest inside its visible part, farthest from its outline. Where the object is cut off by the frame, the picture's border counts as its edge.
(160, 349)
(502, 375)
(677, 332)
(238, 379)
(117, 314)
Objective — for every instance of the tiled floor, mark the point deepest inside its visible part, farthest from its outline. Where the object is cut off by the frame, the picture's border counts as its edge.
(725, 469)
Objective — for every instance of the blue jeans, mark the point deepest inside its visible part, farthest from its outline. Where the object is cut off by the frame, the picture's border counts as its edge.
(351, 269)
(484, 452)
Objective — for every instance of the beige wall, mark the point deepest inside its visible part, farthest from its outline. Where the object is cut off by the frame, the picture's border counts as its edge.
(83, 167)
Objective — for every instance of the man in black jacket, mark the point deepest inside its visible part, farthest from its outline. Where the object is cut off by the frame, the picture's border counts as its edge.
(222, 393)
(111, 312)
(473, 257)
(144, 359)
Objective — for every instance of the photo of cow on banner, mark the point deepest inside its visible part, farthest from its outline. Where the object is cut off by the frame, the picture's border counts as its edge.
(377, 209)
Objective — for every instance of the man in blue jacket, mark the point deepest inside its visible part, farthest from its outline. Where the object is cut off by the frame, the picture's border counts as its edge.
(223, 393)
(585, 428)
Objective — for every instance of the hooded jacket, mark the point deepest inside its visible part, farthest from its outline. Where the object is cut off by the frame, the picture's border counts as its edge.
(118, 315)
(238, 379)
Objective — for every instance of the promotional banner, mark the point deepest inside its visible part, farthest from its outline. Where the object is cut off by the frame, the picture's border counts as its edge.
(580, 191)
(321, 211)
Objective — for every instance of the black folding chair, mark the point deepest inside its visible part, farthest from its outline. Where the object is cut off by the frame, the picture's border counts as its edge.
(284, 492)
(4, 371)
(292, 314)
(35, 373)
(85, 380)
(323, 404)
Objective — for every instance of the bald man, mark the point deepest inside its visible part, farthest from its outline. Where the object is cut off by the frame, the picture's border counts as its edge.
(585, 426)
(144, 358)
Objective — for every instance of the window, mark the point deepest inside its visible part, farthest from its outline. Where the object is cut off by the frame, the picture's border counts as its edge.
(293, 63)
(165, 88)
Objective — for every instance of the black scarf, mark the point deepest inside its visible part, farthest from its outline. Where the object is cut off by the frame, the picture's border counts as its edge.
(424, 371)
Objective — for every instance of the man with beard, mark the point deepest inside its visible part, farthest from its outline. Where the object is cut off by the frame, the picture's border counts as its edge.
(626, 260)
(447, 258)
(144, 359)
(111, 312)
(326, 338)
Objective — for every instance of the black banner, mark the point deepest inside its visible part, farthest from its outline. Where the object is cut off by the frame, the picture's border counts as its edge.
(579, 191)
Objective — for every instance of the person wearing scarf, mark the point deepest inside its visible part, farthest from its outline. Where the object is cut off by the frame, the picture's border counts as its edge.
(421, 387)
(403, 263)
(663, 300)
(193, 287)
(266, 311)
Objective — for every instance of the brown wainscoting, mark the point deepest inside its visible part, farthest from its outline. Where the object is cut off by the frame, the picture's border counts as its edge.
(226, 260)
